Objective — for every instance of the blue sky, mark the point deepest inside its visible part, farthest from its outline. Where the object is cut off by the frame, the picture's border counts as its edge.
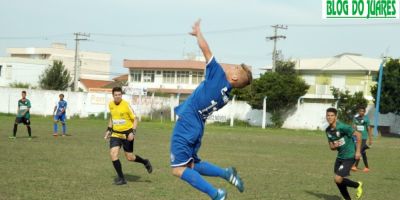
(162, 27)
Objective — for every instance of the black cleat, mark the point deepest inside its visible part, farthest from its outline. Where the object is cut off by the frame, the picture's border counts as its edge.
(119, 181)
(148, 166)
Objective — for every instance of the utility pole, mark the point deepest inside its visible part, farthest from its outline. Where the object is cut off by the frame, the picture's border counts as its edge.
(275, 38)
(78, 37)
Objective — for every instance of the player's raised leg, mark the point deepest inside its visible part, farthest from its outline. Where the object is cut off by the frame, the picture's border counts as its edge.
(229, 174)
(192, 177)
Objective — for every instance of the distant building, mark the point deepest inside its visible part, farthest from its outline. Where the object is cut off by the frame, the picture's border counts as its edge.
(21, 70)
(93, 65)
(345, 71)
(166, 76)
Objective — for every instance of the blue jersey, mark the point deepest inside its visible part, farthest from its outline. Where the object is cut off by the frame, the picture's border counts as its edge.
(61, 105)
(211, 95)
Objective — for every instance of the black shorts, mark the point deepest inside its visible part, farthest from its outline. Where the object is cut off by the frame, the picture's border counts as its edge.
(23, 120)
(118, 142)
(343, 166)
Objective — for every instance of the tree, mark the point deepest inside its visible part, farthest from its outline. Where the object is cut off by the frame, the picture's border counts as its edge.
(347, 104)
(19, 85)
(282, 88)
(390, 89)
(55, 77)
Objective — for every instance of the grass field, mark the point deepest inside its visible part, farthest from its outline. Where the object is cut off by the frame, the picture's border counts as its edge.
(274, 163)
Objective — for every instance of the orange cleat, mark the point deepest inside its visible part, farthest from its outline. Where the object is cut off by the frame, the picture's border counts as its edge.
(366, 170)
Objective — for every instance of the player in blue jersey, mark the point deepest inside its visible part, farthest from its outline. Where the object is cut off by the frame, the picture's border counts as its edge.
(211, 95)
(59, 115)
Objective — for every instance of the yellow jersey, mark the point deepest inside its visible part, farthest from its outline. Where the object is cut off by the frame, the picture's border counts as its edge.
(122, 117)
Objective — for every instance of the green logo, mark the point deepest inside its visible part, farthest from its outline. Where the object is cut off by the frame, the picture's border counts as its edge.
(360, 9)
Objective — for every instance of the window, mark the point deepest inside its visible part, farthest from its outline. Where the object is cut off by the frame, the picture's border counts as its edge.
(309, 79)
(9, 72)
(183, 77)
(197, 77)
(168, 77)
(136, 76)
(148, 76)
(339, 81)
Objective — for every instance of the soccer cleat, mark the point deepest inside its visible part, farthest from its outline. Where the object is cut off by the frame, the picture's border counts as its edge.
(55, 134)
(119, 181)
(221, 195)
(354, 168)
(29, 138)
(12, 137)
(234, 179)
(359, 190)
(366, 170)
(148, 166)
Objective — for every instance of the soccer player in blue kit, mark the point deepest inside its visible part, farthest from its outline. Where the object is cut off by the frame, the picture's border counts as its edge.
(59, 114)
(211, 95)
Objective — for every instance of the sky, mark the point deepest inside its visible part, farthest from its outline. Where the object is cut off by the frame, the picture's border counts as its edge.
(236, 30)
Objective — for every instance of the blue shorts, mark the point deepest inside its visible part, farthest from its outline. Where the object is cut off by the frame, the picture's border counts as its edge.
(60, 118)
(186, 140)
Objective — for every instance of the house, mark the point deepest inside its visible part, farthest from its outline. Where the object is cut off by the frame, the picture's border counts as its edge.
(91, 85)
(169, 77)
(347, 71)
(93, 65)
(21, 70)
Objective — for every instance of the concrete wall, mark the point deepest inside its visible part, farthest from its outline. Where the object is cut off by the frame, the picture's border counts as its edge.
(304, 116)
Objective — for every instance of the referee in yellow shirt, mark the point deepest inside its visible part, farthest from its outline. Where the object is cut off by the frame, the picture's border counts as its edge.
(121, 131)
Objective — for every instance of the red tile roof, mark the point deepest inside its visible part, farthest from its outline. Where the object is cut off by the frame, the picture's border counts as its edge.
(121, 78)
(167, 64)
(88, 83)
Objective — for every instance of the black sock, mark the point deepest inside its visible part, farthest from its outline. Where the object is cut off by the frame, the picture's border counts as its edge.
(15, 129)
(140, 160)
(29, 131)
(357, 161)
(118, 168)
(350, 183)
(343, 191)
(364, 157)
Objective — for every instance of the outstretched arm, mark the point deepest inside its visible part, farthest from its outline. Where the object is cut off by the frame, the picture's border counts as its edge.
(196, 32)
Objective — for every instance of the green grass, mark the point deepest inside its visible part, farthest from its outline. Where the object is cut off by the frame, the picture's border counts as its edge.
(274, 163)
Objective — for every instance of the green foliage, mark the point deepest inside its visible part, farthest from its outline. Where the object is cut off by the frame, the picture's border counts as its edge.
(285, 67)
(348, 104)
(55, 77)
(19, 85)
(282, 88)
(390, 91)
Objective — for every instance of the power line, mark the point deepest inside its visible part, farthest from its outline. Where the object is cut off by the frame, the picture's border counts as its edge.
(230, 30)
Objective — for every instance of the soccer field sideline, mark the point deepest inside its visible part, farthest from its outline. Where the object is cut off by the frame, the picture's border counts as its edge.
(274, 163)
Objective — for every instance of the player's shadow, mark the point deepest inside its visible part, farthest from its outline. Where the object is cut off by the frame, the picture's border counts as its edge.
(134, 178)
(323, 196)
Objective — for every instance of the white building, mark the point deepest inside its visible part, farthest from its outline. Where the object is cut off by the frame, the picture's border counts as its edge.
(21, 70)
(93, 65)
(166, 76)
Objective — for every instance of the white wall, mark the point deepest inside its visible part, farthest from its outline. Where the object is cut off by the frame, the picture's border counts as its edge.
(305, 116)
(21, 72)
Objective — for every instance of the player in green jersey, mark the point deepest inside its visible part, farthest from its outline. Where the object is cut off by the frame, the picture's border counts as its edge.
(340, 138)
(23, 115)
(362, 124)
